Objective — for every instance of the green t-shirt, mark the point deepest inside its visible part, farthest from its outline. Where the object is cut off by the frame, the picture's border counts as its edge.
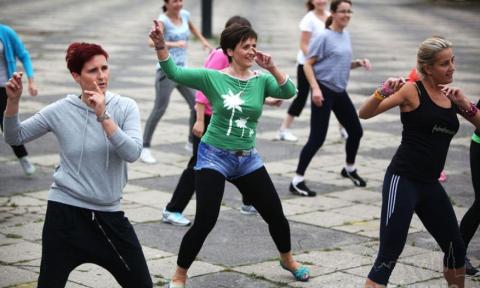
(236, 104)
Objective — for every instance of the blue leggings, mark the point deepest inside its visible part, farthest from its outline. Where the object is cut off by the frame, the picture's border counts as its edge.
(401, 197)
(346, 114)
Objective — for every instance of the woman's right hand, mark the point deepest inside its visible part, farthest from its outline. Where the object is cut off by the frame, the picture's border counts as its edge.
(156, 35)
(317, 97)
(14, 87)
(198, 128)
(394, 84)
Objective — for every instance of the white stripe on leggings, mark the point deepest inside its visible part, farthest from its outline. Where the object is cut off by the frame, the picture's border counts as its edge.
(392, 196)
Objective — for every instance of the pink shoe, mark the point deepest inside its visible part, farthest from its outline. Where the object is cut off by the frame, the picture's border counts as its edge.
(443, 176)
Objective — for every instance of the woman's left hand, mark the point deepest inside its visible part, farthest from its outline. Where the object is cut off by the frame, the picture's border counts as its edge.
(365, 63)
(157, 36)
(273, 102)
(96, 99)
(264, 60)
(456, 96)
(206, 45)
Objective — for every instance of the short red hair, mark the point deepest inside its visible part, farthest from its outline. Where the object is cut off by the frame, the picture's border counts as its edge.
(79, 53)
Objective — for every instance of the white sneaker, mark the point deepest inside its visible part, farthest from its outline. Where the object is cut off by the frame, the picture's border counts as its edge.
(174, 218)
(189, 147)
(343, 133)
(27, 166)
(147, 157)
(248, 210)
(285, 135)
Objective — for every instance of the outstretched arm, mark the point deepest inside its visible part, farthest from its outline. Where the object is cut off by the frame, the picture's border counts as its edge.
(193, 78)
(394, 92)
(205, 43)
(17, 133)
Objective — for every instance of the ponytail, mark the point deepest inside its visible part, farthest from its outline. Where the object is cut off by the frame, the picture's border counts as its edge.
(328, 22)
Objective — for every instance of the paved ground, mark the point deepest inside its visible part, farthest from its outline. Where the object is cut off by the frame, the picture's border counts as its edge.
(335, 233)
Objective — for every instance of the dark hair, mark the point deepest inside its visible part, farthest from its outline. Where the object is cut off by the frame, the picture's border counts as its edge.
(242, 21)
(164, 7)
(234, 34)
(333, 8)
(79, 53)
(309, 5)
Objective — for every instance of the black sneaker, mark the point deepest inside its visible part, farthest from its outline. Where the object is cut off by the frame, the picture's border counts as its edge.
(469, 269)
(357, 180)
(302, 189)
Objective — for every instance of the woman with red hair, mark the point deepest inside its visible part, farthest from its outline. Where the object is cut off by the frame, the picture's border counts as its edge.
(98, 133)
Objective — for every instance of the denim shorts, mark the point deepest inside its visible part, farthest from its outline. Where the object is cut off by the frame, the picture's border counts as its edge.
(231, 164)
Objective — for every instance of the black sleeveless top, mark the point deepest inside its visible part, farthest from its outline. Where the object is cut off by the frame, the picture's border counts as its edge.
(427, 132)
(477, 131)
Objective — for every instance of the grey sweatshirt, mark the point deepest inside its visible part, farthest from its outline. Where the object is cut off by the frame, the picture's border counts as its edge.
(93, 170)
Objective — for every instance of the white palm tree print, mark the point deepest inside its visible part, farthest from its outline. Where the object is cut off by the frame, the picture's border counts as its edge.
(232, 102)
(242, 123)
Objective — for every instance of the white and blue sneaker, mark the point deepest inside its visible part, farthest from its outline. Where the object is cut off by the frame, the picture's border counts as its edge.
(174, 218)
(248, 210)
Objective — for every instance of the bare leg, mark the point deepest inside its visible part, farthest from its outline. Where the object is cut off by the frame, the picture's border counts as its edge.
(287, 122)
(370, 284)
(455, 277)
(180, 276)
(289, 262)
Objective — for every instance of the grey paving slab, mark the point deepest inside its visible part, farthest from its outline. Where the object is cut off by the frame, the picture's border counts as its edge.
(230, 242)
(19, 252)
(272, 271)
(229, 280)
(10, 275)
(13, 181)
(375, 35)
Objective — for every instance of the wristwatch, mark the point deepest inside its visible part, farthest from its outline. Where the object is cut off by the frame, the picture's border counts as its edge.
(103, 117)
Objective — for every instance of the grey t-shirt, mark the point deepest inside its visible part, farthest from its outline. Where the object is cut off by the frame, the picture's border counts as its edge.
(3, 66)
(333, 51)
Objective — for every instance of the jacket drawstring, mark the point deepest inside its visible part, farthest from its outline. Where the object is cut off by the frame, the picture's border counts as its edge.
(94, 219)
(83, 142)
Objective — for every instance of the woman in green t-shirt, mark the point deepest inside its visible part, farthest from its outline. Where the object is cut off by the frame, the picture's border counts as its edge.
(227, 150)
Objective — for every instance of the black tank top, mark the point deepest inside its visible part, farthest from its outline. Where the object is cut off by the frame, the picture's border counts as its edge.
(477, 131)
(427, 132)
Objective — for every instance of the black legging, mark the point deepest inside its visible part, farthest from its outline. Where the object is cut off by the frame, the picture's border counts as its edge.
(257, 186)
(303, 88)
(186, 184)
(19, 150)
(346, 114)
(471, 220)
(401, 197)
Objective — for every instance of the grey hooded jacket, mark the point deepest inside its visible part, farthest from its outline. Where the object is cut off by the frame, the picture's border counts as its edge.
(93, 170)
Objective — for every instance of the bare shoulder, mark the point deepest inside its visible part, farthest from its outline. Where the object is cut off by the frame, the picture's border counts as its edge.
(409, 95)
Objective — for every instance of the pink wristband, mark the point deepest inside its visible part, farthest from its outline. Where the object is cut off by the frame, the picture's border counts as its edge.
(473, 110)
(385, 90)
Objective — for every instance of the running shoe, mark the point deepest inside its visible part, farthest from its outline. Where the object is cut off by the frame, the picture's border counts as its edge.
(469, 269)
(443, 176)
(343, 133)
(147, 156)
(248, 210)
(301, 189)
(174, 218)
(27, 166)
(173, 285)
(357, 180)
(285, 135)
